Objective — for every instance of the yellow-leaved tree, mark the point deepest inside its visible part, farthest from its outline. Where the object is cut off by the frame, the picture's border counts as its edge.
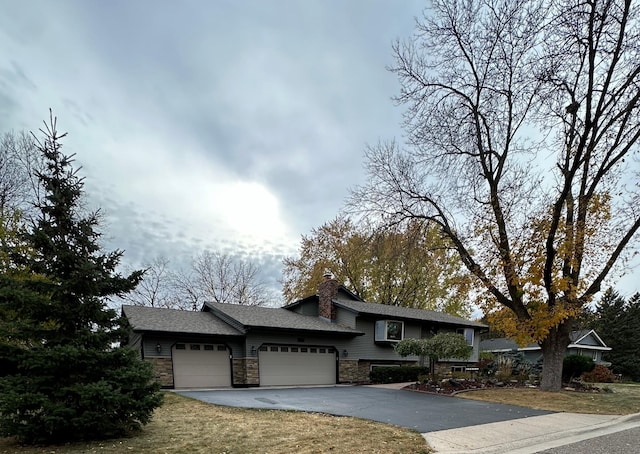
(410, 266)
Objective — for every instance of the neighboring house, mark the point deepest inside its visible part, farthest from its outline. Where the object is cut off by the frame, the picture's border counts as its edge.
(332, 337)
(583, 342)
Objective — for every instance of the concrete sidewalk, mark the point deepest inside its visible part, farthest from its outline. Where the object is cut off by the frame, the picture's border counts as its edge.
(525, 435)
(528, 435)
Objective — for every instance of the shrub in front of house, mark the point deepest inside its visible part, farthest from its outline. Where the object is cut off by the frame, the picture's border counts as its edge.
(575, 365)
(396, 374)
(599, 374)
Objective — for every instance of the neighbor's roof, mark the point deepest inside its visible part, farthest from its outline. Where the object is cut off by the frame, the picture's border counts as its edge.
(408, 313)
(144, 318)
(277, 318)
(505, 344)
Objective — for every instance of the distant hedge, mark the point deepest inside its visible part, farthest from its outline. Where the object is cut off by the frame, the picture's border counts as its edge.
(396, 374)
(575, 365)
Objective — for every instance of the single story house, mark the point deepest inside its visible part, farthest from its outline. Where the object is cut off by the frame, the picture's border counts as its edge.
(583, 342)
(332, 337)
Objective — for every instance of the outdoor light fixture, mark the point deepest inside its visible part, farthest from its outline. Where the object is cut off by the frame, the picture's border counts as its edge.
(158, 347)
(345, 353)
(253, 349)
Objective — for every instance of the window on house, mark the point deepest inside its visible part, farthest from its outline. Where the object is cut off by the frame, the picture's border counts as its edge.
(194, 346)
(467, 333)
(221, 348)
(208, 347)
(389, 331)
(180, 346)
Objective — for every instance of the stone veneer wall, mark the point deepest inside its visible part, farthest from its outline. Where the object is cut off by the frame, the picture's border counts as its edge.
(253, 371)
(163, 370)
(239, 371)
(444, 369)
(348, 371)
(364, 367)
(246, 371)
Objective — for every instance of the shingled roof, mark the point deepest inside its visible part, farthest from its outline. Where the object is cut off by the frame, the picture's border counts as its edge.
(406, 313)
(505, 344)
(157, 319)
(276, 318)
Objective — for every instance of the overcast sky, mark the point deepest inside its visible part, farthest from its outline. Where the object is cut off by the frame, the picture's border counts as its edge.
(235, 126)
(227, 125)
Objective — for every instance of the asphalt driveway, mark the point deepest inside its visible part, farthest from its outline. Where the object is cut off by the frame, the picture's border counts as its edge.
(419, 411)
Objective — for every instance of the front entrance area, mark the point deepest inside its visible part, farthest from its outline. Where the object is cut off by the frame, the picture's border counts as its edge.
(286, 365)
(200, 365)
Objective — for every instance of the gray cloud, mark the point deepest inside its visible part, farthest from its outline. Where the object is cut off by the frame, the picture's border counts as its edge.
(222, 125)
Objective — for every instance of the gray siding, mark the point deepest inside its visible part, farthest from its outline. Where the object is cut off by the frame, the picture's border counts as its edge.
(596, 355)
(345, 318)
(590, 340)
(150, 343)
(258, 339)
(306, 308)
(364, 347)
(135, 342)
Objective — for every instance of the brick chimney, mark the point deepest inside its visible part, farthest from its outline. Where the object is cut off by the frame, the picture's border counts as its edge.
(327, 290)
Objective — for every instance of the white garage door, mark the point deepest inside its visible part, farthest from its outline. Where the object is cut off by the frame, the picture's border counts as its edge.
(295, 365)
(200, 366)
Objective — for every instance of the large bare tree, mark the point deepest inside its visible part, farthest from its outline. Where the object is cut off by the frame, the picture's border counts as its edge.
(20, 160)
(156, 288)
(212, 276)
(522, 124)
(223, 278)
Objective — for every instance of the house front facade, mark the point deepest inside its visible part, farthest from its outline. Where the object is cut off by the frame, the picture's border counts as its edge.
(582, 342)
(332, 337)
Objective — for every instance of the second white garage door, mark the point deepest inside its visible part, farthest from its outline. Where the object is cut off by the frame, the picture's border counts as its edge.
(200, 366)
(295, 365)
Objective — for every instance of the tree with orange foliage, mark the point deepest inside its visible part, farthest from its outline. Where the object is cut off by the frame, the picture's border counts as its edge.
(410, 267)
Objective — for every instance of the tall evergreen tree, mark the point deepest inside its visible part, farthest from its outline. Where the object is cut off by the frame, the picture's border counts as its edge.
(618, 323)
(64, 379)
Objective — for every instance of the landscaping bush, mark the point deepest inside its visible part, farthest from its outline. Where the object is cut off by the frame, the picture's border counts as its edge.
(396, 374)
(487, 364)
(599, 374)
(575, 366)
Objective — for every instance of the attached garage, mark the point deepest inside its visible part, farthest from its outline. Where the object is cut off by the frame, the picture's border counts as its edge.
(296, 365)
(200, 365)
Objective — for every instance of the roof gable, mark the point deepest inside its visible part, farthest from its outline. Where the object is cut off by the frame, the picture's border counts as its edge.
(143, 318)
(276, 318)
(584, 339)
(587, 338)
(406, 313)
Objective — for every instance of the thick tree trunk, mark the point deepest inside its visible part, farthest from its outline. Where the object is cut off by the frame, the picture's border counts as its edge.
(553, 351)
